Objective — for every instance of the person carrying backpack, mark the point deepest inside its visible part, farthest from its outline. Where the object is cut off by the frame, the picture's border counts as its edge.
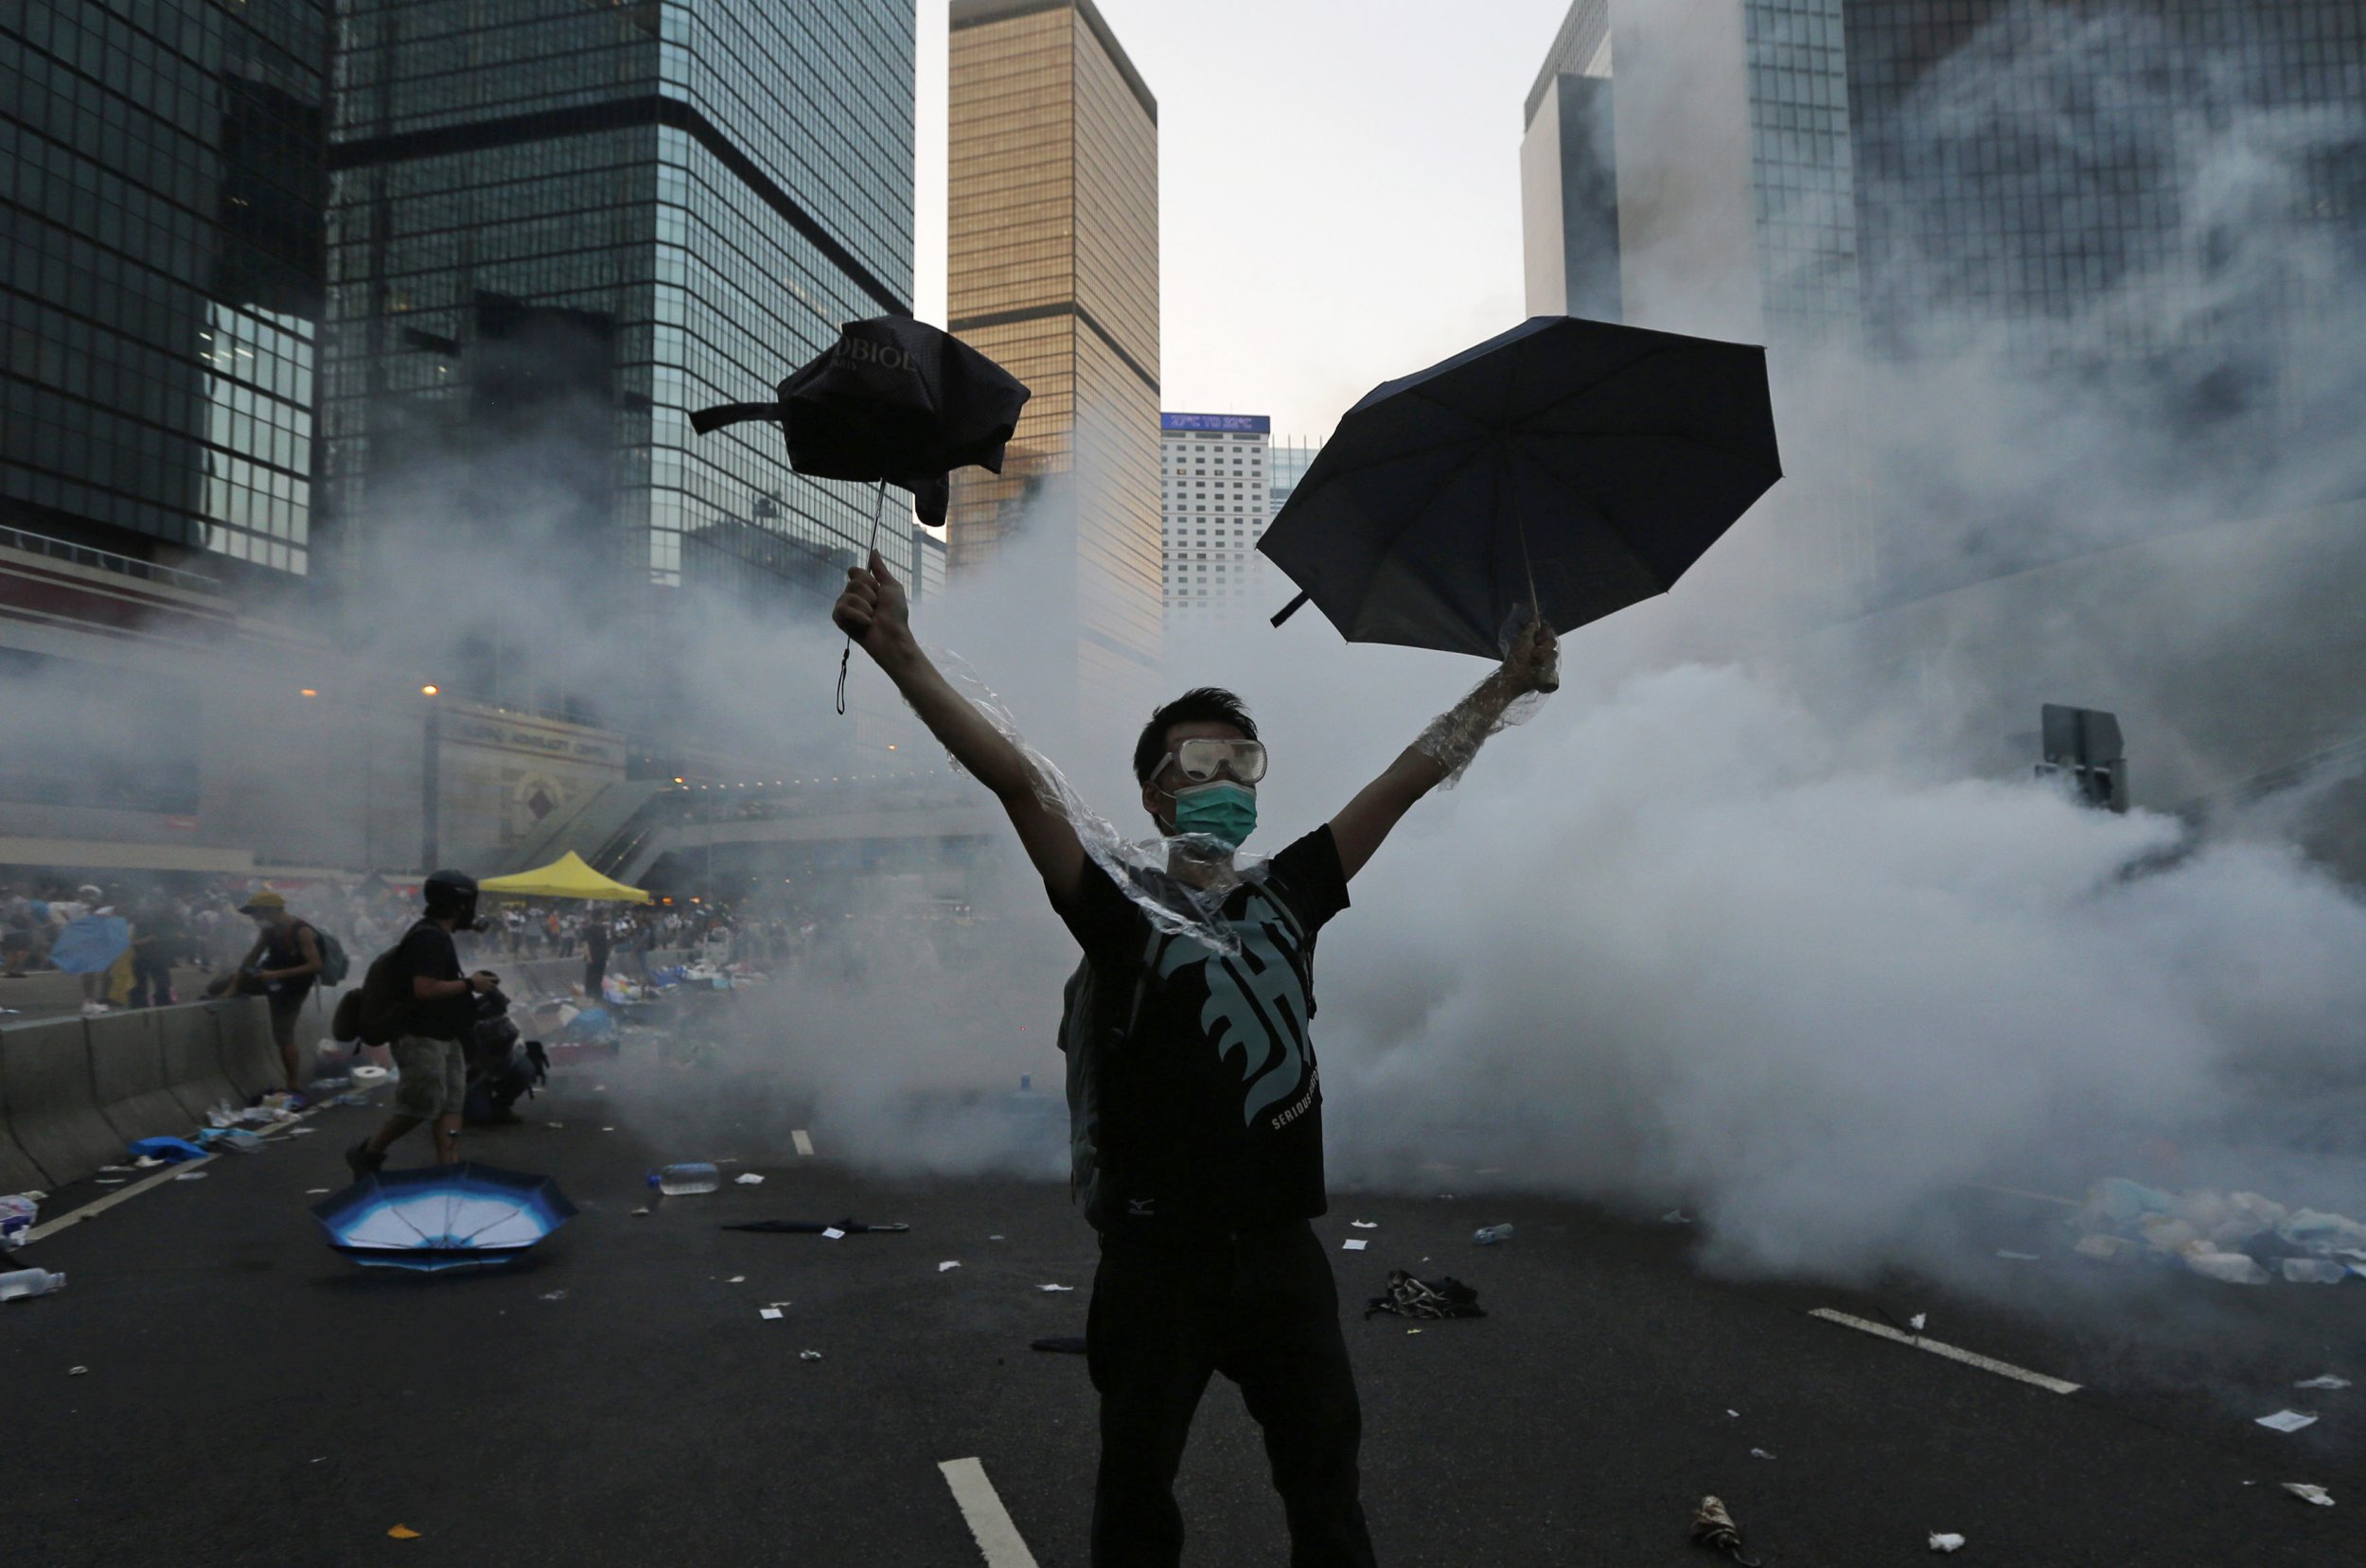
(1196, 1108)
(433, 1006)
(282, 966)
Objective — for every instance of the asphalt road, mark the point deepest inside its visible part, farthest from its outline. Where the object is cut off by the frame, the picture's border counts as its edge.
(252, 1398)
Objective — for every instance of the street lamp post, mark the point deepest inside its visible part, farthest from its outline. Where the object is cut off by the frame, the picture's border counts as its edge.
(431, 784)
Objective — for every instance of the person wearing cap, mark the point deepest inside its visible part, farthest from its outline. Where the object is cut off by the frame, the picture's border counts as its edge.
(282, 967)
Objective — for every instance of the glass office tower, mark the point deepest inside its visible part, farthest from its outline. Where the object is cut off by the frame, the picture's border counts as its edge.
(161, 276)
(1052, 219)
(559, 228)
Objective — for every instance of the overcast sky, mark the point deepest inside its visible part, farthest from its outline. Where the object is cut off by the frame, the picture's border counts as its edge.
(1339, 188)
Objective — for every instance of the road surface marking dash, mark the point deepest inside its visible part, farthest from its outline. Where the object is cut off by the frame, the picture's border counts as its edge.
(989, 1521)
(1969, 1358)
(804, 1144)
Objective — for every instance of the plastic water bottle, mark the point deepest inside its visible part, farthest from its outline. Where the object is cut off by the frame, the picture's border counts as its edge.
(678, 1181)
(29, 1282)
(1487, 1236)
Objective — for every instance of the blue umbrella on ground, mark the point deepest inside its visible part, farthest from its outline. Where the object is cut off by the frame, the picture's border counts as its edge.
(442, 1217)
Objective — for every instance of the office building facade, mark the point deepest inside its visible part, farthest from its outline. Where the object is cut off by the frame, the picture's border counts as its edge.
(161, 278)
(1217, 472)
(1052, 271)
(558, 229)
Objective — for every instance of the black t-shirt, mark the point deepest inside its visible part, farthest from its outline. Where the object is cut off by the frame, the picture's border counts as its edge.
(427, 950)
(1211, 1106)
(596, 940)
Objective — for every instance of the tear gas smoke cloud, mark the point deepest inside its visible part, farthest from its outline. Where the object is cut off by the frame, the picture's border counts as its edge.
(1730, 920)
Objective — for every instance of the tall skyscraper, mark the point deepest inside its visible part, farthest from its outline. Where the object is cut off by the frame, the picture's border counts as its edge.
(559, 227)
(1219, 496)
(161, 277)
(1052, 219)
(1909, 176)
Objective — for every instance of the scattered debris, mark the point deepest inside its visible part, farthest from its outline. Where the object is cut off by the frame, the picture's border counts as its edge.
(1946, 1543)
(947, 1264)
(164, 1150)
(767, 1313)
(403, 1532)
(1365, 1225)
(555, 1295)
(1675, 1217)
(747, 1178)
(2328, 1380)
(1916, 1321)
(1406, 1297)
(2238, 1239)
(737, 1280)
(642, 1211)
(809, 1355)
(832, 1229)
(830, 1233)
(1061, 1345)
(1760, 1454)
(607, 1129)
(553, 1125)
(193, 1175)
(317, 1191)
(2018, 1257)
(1713, 1527)
(1356, 1245)
(2309, 1493)
(17, 1214)
(1055, 1287)
(2314, 1271)
(2287, 1421)
(2229, 1268)
(302, 1132)
(78, 1371)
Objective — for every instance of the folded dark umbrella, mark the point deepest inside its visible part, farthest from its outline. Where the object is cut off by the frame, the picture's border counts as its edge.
(1567, 469)
(442, 1217)
(895, 401)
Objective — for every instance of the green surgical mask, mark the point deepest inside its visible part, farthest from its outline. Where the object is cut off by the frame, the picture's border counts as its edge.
(1223, 811)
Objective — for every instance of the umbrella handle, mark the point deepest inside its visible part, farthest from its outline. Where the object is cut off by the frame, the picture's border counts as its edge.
(716, 417)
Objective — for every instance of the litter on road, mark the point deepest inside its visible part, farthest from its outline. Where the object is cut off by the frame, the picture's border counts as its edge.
(1365, 1225)
(1405, 1296)
(1946, 1541)
(767, 1313)
(403, 1532)
(1055, 1287)
(554, 1296)
(747, 1178)
(1760, 1454)
(1060, 1344)
(2287, 1421)
(2328, 1380)
(831, 1228)
(1713, 1527)
(809, 1355)
(1356, 1245)
(2307, 1493)
(833, 1233)
(737, 1280)
(78, 1371)
(192, 1176)
(947, 1264)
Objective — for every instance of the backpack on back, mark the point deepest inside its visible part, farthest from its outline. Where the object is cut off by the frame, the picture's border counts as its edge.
(383, 1009)
(1095, 1018)
(335, 965)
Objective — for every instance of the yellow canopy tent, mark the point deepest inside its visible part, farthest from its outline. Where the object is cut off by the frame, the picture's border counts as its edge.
(565, 877)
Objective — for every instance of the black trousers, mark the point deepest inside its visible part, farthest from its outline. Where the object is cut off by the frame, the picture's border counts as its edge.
(594, 970)
(1260, 1306)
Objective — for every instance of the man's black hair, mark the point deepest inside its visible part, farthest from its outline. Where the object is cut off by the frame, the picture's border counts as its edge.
(1200, 705)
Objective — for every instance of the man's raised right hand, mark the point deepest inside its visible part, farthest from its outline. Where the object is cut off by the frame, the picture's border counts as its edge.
(873, 611)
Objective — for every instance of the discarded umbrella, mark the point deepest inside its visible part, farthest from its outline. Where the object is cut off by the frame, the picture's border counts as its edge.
(1409, 1297)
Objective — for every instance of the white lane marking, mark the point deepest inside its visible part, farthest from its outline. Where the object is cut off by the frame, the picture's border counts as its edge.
(804, 1144)
(989, 1521)
(1969, 1358)
(170, 1173)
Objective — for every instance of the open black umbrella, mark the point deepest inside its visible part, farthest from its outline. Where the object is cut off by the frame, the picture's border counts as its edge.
(895, 401)
(1565, 468)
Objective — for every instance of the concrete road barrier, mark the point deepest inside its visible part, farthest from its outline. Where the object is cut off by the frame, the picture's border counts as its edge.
(53, 1104)
(18, 1173)
(189, 1039)
(248, 1059)
(127, 1063)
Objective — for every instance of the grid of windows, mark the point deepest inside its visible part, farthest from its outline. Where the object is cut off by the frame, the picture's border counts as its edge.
(1801, 167)
(1219, 495)
(1052, 232)
(160, 272)
(668, 257)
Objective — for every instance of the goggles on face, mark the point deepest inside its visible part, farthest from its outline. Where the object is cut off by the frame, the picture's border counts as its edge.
(1202, 759)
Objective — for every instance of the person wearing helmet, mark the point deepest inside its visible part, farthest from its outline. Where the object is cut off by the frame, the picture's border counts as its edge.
(442, 1014)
